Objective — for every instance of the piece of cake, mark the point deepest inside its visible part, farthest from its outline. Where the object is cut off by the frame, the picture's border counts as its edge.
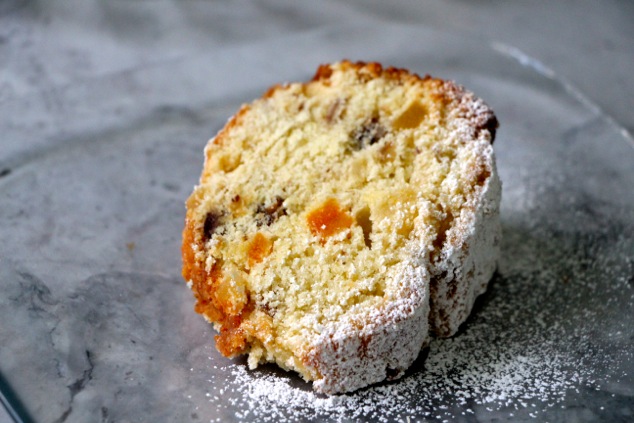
(340, 221)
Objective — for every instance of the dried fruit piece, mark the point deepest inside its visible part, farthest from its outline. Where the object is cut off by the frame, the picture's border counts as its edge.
(411, 117)
(267, 215)
(335, 110)
(364, 220)
(259, 247)
(369, 133)
(212, 224)
(328, 219)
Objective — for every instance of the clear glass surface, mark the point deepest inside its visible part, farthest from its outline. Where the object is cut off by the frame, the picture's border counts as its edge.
(97, 322)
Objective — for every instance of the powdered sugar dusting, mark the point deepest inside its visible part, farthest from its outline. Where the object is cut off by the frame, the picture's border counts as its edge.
(539, 335)
(553, 329)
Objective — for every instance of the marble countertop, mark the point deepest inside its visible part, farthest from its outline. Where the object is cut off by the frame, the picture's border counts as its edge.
(105, 108)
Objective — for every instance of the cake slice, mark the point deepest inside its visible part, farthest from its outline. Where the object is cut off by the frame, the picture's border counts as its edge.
(340, 221)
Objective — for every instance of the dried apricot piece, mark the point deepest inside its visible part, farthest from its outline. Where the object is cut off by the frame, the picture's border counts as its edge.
(328, 219)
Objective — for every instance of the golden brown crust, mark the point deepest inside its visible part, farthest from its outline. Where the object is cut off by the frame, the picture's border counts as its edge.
(214, 298)
(444, 92)
(371, 70)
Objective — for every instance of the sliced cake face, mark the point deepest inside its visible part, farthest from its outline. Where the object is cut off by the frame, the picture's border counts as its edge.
(322, 208)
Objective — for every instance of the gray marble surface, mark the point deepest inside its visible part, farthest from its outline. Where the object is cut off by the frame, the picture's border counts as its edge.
(105, 108)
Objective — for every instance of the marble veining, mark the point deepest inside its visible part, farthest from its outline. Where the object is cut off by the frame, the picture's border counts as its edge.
(97, 325)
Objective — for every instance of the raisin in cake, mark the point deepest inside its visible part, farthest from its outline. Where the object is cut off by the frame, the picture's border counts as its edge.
(340, 222)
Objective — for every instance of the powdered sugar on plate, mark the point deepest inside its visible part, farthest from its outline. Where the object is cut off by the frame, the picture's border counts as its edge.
(551, 327)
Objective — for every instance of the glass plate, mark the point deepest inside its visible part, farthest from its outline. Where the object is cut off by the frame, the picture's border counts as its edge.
(98, 325)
